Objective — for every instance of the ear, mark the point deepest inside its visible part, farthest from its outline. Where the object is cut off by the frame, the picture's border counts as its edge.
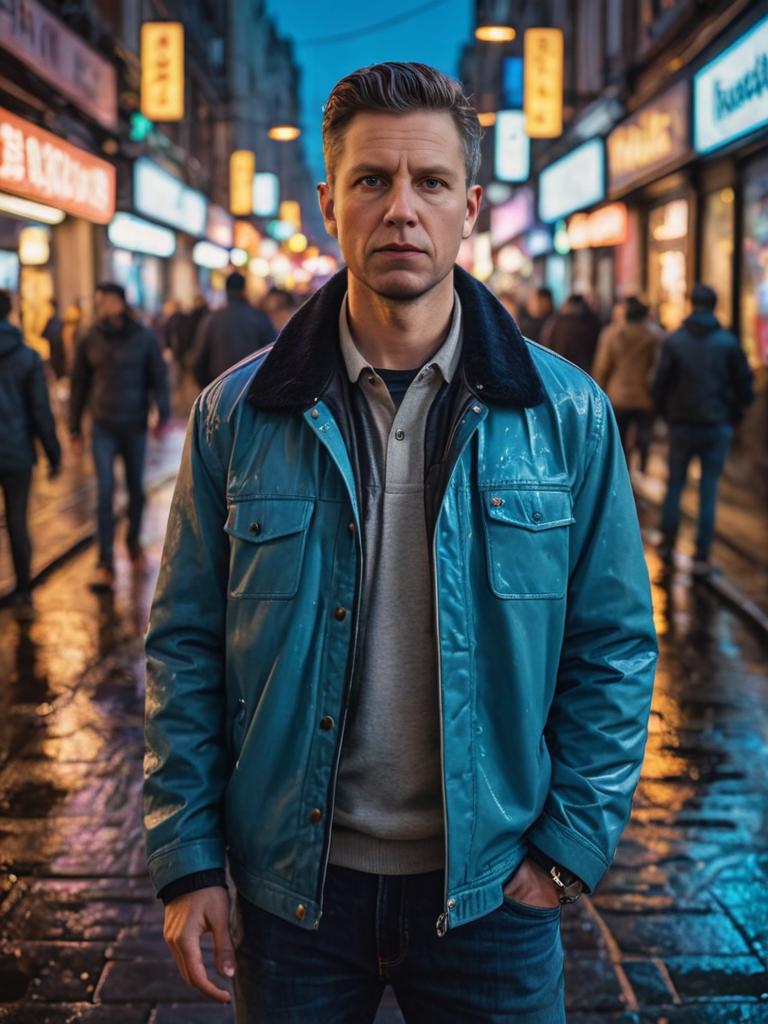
(325, 199)
(474, 200)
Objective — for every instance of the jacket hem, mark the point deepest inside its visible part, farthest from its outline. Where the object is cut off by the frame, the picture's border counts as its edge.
(296, 909)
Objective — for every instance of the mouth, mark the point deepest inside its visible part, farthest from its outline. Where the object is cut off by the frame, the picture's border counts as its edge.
(396, 247)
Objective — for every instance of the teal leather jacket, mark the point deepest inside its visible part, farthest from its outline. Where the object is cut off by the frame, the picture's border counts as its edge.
(544, 627)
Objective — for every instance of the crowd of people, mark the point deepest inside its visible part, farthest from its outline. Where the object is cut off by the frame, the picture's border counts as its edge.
(696, 379)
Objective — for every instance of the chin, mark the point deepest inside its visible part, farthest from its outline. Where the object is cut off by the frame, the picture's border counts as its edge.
(401, 287)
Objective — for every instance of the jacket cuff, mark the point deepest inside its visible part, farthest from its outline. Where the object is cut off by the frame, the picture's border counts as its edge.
(169, 863)
(569, 849)
(191, 883)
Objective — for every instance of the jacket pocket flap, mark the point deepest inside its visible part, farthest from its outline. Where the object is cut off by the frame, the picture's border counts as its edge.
(265, 519)
(529, 508)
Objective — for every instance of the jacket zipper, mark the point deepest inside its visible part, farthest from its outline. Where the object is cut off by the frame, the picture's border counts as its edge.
(441, 925)
(348, 688)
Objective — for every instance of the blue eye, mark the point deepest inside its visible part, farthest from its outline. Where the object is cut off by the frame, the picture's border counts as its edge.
(433, 184)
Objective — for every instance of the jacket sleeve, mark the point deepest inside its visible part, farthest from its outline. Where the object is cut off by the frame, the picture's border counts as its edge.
(186, 762)
(742, 381)
(158, 379)
(40, 414)
(598, 721)
(80, 386)
(662, 378)
(603, 367)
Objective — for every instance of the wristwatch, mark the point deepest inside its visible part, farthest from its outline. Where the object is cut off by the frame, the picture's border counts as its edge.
(569, 887)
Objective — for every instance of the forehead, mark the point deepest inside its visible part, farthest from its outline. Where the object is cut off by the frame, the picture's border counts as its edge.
(422, 135)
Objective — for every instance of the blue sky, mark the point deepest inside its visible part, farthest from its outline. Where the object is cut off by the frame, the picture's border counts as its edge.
(434, 36)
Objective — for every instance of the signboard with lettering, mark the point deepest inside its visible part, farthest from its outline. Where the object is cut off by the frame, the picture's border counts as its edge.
(512, 147)
(652, 140)
(60, 57)
(543, 88)
(162, 70)
(605, 226)
(158, 194)
(730, 94)
(38, 165)
(573, 182)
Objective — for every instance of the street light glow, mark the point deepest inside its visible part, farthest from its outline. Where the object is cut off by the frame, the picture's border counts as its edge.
(487, 119)
(495, 33)
(32, 211)
(284, 132)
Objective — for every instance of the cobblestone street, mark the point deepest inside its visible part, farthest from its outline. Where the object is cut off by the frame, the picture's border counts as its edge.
(677, 933)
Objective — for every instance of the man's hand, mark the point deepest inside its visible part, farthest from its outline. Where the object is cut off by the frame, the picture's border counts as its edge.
(531, 884)
(187, 918)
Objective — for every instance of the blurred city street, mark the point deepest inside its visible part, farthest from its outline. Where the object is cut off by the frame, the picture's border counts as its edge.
(677, 932)
(444, 270)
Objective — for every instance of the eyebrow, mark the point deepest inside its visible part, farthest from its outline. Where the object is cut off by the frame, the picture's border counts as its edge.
(423, 172)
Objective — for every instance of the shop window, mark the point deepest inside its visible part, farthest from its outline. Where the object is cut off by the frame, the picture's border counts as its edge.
(754, 292)
(717, 250)
(667, 262)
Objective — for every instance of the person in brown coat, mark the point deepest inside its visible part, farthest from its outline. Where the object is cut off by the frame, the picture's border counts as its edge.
(624, 361)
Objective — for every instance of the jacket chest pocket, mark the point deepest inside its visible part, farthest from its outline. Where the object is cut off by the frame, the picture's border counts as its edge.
(526, 541)
(268, 537)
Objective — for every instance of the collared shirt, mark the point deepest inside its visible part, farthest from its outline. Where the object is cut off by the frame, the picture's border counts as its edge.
(389, 812)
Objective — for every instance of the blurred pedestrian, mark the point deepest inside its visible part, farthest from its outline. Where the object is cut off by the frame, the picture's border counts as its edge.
(188, 330)
(71, 324)
(401, 654)
(573, 331)
(539, 310)
(53, 334)
(230, 334)
(624, 362)
(279, 304)
(25, 414)
(118, 371)
(702, 386)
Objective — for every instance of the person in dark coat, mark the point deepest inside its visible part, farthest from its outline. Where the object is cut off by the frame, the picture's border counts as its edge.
(25, 414)
(118, 371)
(573, 332)
(538, 312)
(230, 334)
(702, 385)
(54, 335)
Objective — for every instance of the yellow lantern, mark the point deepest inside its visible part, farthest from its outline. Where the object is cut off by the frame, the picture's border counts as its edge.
(290, 211)
(543, 85)
(242, 167)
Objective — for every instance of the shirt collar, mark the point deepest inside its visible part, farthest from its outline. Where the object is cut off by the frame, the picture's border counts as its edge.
(446, 359)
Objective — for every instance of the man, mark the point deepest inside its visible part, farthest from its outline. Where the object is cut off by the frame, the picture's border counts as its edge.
(25, 414)
(539, 310)
(702, 386)
(118, 371)
(573, 331)
(230, 334)
(401, 654)
(624, 362)
(279, 304)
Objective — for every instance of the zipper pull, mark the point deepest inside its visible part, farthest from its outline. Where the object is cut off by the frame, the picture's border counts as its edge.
(442, 924)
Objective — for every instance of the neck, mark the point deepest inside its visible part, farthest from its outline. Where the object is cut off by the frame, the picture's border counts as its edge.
(396, 335)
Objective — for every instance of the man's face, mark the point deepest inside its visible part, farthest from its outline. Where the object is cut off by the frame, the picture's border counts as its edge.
(399, 204)
(108, 306)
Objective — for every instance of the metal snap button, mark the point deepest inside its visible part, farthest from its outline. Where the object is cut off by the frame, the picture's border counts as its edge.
(255, 528)
(314, 414)
(315, 815)
(300, 911)
(400, 434)
(476, 408)
(341, 614)
(537, 517)
(326, 723)
(497, 502)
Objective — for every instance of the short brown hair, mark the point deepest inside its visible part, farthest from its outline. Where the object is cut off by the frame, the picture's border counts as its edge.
(394, 87)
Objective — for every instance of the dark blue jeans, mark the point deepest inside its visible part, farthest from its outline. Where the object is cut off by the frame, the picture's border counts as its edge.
(131, 446)
(378, 930)
(15, 488)
(711, 444)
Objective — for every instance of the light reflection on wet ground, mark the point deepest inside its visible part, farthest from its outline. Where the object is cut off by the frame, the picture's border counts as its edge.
(678, 932)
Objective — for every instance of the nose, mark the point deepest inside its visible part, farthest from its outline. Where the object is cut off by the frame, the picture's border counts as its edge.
(401, 211)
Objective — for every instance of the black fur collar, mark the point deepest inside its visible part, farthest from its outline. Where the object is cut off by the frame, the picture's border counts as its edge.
(496, 363)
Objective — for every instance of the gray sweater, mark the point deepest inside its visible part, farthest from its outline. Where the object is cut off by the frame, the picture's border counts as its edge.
(389, 811)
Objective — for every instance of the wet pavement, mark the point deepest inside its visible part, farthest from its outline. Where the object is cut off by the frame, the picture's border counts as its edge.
(677, 933)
